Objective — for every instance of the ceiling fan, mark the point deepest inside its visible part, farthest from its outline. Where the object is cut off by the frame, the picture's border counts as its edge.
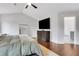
(34, 6)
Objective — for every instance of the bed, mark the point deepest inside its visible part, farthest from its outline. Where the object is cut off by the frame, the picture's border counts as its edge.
(21, 45)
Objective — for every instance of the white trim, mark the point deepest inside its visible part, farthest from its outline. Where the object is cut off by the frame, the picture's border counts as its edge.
(44, 29)
(62, 42)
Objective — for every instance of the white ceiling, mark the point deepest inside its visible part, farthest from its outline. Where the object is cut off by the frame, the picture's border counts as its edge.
(44, 9)
(11, 8)
(49, 9)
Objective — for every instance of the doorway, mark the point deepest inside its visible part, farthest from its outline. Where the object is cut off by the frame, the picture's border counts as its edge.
(69, 29)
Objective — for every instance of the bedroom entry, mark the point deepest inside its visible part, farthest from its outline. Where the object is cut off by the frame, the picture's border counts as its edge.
(24, 29)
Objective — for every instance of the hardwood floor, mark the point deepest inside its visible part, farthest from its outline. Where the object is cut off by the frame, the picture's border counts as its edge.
(62, 49)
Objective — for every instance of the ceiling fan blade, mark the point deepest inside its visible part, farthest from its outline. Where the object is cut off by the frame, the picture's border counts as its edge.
(26, 6)
(34, 6)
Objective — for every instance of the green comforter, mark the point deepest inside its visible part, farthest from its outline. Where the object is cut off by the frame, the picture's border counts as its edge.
(18, 45)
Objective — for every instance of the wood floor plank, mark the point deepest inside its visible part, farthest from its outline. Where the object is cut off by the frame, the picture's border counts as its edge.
(62, 49)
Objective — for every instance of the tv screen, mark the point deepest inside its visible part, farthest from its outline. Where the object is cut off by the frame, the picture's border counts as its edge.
(44, 24)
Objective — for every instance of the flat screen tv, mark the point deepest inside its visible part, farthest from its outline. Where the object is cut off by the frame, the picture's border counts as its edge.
(44, 24)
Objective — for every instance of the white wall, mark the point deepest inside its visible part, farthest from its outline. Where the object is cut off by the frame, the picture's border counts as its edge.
(77, 28)
(57, 26)
(9, 27)
(61, 25)
(10, 23)
(54, 28)
(0, 23)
